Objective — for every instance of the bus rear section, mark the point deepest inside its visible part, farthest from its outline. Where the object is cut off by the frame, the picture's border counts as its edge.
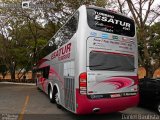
(109, 81)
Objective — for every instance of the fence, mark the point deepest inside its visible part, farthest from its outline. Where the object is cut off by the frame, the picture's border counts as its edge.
(27, 79)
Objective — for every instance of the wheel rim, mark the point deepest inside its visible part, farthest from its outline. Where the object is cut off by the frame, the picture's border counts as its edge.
(159, 108)
(50, 94)
(57, 98)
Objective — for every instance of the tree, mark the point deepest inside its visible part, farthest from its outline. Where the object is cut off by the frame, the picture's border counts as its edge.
(22, 35)
(3, 70)
(144, 14)
(141, 20)
(154, 45)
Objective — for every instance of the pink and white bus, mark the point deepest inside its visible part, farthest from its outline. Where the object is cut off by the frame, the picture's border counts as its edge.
(90, 64)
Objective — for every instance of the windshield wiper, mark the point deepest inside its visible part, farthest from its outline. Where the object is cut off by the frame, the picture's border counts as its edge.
(118, 67)
(104, 68)
(132, 68)
(95, 65)
(109, 68)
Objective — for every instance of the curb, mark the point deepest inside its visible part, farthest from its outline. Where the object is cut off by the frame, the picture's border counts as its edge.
(13, 83)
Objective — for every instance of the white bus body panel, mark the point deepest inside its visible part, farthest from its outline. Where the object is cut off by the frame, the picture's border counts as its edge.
(70, 60)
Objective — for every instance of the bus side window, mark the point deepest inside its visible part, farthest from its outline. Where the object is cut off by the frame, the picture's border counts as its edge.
(48, 48)
(46, 72)
(71, 26)
(67, 31)
(39, 73)
(58, 38)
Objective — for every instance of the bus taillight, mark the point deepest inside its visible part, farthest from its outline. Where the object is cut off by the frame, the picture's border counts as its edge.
(83, 83)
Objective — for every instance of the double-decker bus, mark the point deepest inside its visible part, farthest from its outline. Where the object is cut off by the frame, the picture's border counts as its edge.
(90, 64)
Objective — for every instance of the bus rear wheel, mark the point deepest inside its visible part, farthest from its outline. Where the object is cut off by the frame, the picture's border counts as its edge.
(57, 98)
(158, 108)
(50, 94)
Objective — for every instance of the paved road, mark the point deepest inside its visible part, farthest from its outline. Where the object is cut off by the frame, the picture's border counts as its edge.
(25, 102)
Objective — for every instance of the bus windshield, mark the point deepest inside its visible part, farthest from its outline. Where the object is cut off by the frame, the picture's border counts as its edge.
(106, 21)
(110, 61)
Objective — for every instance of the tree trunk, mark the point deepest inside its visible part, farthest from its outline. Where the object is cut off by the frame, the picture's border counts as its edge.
(12, 70)
(13, 75)
(147, 59)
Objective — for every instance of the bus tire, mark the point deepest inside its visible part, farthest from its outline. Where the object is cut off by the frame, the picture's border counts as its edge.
(57, 97)
(38, 88)
(50, 95)
(36, 82)
(158, 108)
(37, 85)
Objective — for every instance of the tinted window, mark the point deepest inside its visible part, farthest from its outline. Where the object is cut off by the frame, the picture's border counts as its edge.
(43, 72)
(50, 47)
(61, 37)
(110, 22)
(110, 61)
(67, 31)
(46, 72)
